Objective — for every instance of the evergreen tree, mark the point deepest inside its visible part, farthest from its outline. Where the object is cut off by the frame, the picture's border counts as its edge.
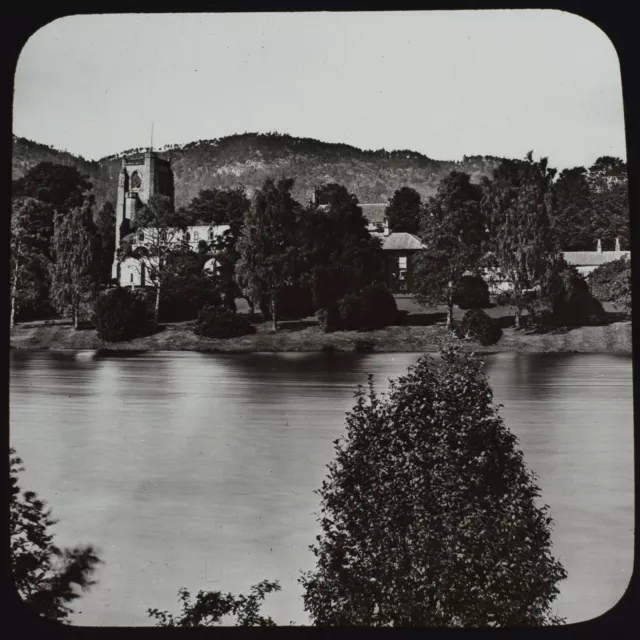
(404, 210)
(573, 207)
(518, 204)
(47, 578)
(429, 515)
(75, 271)
(454, 232)
(267, 247)
(105, 220)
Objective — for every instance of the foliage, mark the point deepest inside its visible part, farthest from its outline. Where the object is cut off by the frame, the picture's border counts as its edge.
(267, 246)
(164, 236)
(351, 311)
(364, 346)
(76, 270)
(47, 578)
(573, 208)
(221, 322)
(404, 210)
(120, 315)
(219, 206)
(31, 232)
(379, 306)
(295, 302)
(429, 515)
(60, 186)
(210, 607)
(479, 326)
(518, 204)
(105, 220)
(454, 232)
(337, 255)
(329, 319)
(609, 279)
(472, 292)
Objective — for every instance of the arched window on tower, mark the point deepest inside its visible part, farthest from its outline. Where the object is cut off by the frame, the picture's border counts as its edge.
(211, 234)
(136, 181)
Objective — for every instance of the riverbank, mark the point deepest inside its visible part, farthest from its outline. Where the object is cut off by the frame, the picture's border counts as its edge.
(306, 336)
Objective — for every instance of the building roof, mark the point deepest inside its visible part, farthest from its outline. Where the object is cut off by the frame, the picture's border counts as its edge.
(400, 241)
(592, 258)
(374, 212)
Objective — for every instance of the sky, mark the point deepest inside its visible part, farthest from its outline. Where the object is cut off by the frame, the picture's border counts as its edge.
(446, 83)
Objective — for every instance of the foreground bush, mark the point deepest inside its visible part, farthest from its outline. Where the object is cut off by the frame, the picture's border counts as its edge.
(329, 319)
(209, 607)
(47, 578)
(294, 303)
(379, 307)
(120, 315)
(351, 311)
(429, 516)
(221, 322)
(479, 326)
(472, 292)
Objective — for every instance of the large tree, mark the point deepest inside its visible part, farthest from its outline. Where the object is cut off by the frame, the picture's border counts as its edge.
(47, 578)
(573, 207)
(61, 186)
(337, 255)
(267, 247)
(76, 268)
(429, 515)
(404, 210)
(519, 207)
(31, 232)
(454, 232)
(608, 184)
(156, 233)
(105, 219)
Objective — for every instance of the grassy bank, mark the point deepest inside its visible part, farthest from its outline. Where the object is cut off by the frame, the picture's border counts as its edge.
(419, 335)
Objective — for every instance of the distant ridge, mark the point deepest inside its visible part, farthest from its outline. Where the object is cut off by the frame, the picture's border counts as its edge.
(249, 158)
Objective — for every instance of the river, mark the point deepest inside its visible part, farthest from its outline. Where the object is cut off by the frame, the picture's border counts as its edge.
(199, 470)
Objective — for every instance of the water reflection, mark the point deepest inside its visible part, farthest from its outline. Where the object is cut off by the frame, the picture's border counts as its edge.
(198, 470)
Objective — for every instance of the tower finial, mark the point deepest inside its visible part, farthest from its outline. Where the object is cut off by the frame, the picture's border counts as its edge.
(151, 148)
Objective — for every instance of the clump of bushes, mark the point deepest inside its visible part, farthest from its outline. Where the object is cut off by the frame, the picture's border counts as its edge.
(351, 311)
(219, 321)
(363, 346)
(329, 319)
(294, 303)
(119, 315)
(603, 281)
(479, 326)
(380, 309)
(472, 292)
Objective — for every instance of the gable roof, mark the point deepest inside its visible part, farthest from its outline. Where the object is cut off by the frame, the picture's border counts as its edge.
(400, 241)
(592, 258)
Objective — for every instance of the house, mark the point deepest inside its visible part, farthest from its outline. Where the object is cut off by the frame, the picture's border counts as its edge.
(587, 261)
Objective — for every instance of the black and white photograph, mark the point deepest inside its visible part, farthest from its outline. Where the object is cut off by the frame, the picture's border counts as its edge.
(320, 319)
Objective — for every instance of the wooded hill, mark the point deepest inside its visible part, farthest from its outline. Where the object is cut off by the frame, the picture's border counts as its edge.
(247, 159)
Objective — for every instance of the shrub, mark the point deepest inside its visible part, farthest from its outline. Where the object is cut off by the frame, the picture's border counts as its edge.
(571, 301)
(119, 315)
(480, 327)
(329, 319)
(429, 516)
(351, 311)
(294, 303)
(363, 346)
(379, 307)
(603, 280)
(472, 292)
(186, 294)
(218, 321)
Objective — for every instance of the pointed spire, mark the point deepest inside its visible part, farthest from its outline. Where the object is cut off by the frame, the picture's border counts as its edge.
(151, 147)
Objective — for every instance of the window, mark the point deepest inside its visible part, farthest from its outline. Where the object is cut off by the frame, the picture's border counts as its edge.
(196, 236)
(140, 236)
(187, 236)
(131, 278)
(402, 262)
(136, 182)
(210, 234)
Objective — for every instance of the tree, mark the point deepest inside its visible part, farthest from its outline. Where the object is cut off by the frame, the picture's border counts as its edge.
(31, 230)
(429, 514)
(574, 224)
(75, 271)
(210, 607)
(608, 184)
(47, 578)
(157, 232)
(105, 220)
(404, 210)
(337, 254)
(267, 246)
(454, 232)
(518, 205)
(62, 187)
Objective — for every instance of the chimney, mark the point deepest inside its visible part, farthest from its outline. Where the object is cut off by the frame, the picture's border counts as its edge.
(599, 249)
(386, 228)
(617, 244)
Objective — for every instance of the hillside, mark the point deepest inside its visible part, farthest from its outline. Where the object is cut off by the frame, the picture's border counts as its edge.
(249, 158)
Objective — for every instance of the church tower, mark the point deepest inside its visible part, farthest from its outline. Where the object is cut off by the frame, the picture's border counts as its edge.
(141, 177)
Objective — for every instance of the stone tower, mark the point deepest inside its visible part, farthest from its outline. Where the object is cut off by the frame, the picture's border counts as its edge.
(141, 177)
